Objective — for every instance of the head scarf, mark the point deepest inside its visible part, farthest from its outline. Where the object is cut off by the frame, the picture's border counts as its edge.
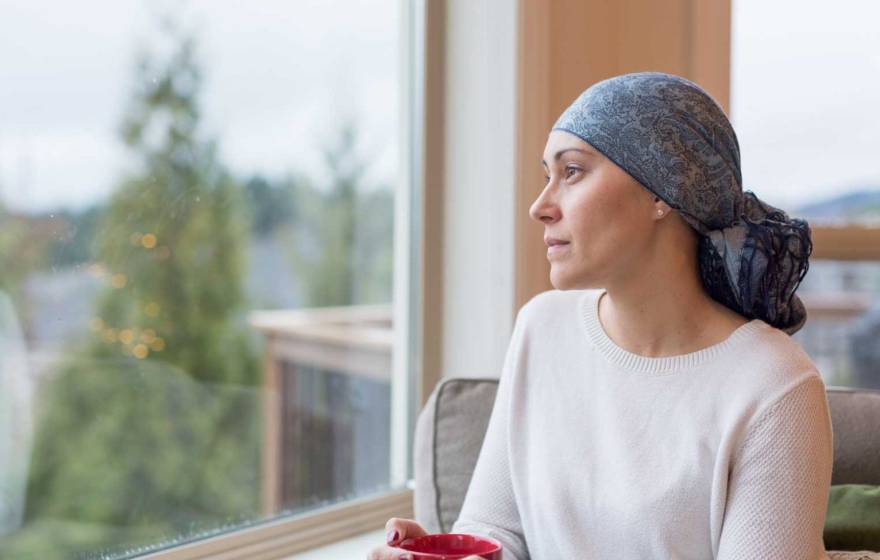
(674, 139)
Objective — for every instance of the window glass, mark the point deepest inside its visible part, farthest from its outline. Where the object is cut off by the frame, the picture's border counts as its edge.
(805, 80)
(196, 234)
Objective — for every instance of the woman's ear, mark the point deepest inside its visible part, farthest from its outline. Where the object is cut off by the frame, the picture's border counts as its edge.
(660, 207)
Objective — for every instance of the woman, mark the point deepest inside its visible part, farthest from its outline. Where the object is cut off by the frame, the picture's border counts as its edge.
(654, 404)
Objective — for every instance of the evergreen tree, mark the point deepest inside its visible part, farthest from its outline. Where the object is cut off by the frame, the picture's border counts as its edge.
(151, 428)
(374, 247)
(344, 247)
(173, 235)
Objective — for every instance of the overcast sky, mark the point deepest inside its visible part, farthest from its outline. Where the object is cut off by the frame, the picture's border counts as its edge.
(280, 76)
(281, 73)
(805, 87)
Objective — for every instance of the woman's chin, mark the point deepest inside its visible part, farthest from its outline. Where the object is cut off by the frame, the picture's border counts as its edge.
(562, 279)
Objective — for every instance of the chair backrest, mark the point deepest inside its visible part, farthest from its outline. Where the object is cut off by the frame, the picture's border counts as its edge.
(855, 423)
(451, 426)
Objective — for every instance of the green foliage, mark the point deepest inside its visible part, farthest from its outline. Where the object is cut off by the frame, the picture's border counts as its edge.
(139, 445)
(374, 247)
(61, 539)
(149, 430)
(172, 237)
(344, 240)
(152, 424)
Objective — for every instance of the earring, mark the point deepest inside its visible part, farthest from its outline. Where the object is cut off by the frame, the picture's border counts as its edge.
(659, 212)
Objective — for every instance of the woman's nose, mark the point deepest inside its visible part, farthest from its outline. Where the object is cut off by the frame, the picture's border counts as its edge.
(544, 209)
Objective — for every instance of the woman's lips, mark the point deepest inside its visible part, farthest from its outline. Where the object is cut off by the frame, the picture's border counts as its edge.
(556, 249)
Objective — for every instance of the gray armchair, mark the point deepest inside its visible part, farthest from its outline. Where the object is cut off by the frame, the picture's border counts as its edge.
(451, 426)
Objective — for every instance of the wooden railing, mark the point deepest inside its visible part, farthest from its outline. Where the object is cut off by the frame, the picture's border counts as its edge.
(326, 404)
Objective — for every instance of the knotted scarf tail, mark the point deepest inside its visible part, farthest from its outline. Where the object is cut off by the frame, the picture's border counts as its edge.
(774, 260)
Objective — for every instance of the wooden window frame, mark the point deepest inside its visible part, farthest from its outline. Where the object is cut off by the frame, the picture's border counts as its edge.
(284, 536)
(846, 243)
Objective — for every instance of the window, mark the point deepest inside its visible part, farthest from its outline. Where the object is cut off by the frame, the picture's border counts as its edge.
(804, 79)
(198, 234)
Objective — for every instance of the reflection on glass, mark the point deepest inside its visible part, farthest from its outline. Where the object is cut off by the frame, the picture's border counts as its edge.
(205, 346)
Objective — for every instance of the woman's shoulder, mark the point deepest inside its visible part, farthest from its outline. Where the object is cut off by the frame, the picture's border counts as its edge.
(772, 360)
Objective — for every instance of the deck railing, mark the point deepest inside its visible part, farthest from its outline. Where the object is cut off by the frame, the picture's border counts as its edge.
(326, 406)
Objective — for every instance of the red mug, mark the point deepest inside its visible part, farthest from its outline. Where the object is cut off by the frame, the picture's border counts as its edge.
(451, 546)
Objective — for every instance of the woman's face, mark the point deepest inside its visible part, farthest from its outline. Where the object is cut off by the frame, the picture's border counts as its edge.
(605, 216)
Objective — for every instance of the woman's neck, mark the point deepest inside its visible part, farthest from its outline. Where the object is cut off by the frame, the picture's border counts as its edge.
(659, 323)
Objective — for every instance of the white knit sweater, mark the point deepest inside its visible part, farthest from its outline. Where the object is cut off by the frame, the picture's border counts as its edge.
(595, 453)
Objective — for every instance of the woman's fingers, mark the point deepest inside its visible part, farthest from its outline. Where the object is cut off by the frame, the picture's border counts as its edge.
(386, 552)
(397, 529)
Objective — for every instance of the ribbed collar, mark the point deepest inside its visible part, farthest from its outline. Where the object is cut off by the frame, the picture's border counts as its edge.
(642, 364)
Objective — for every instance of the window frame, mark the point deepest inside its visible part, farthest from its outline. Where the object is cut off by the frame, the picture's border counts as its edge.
(849, 242)
(281, 537)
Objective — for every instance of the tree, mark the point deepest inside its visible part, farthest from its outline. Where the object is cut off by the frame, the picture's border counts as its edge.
(151, 426)
(173, 235)
(343, 241)
(374, 247)
(271, 205)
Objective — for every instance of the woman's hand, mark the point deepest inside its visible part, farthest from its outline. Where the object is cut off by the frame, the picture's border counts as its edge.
(396, 530)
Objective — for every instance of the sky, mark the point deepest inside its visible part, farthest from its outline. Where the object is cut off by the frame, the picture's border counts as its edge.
(280, 74)
(805, 84)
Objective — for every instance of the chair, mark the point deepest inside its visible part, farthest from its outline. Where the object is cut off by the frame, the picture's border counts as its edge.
(451, 426)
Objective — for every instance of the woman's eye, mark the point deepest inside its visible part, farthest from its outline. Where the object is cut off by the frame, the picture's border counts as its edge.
(569, 170)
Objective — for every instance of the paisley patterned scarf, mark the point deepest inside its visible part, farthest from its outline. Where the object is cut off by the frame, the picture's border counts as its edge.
(672, 138)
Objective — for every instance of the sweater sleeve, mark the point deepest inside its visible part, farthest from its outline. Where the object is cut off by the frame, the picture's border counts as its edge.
(489, 507)
(779, 481)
